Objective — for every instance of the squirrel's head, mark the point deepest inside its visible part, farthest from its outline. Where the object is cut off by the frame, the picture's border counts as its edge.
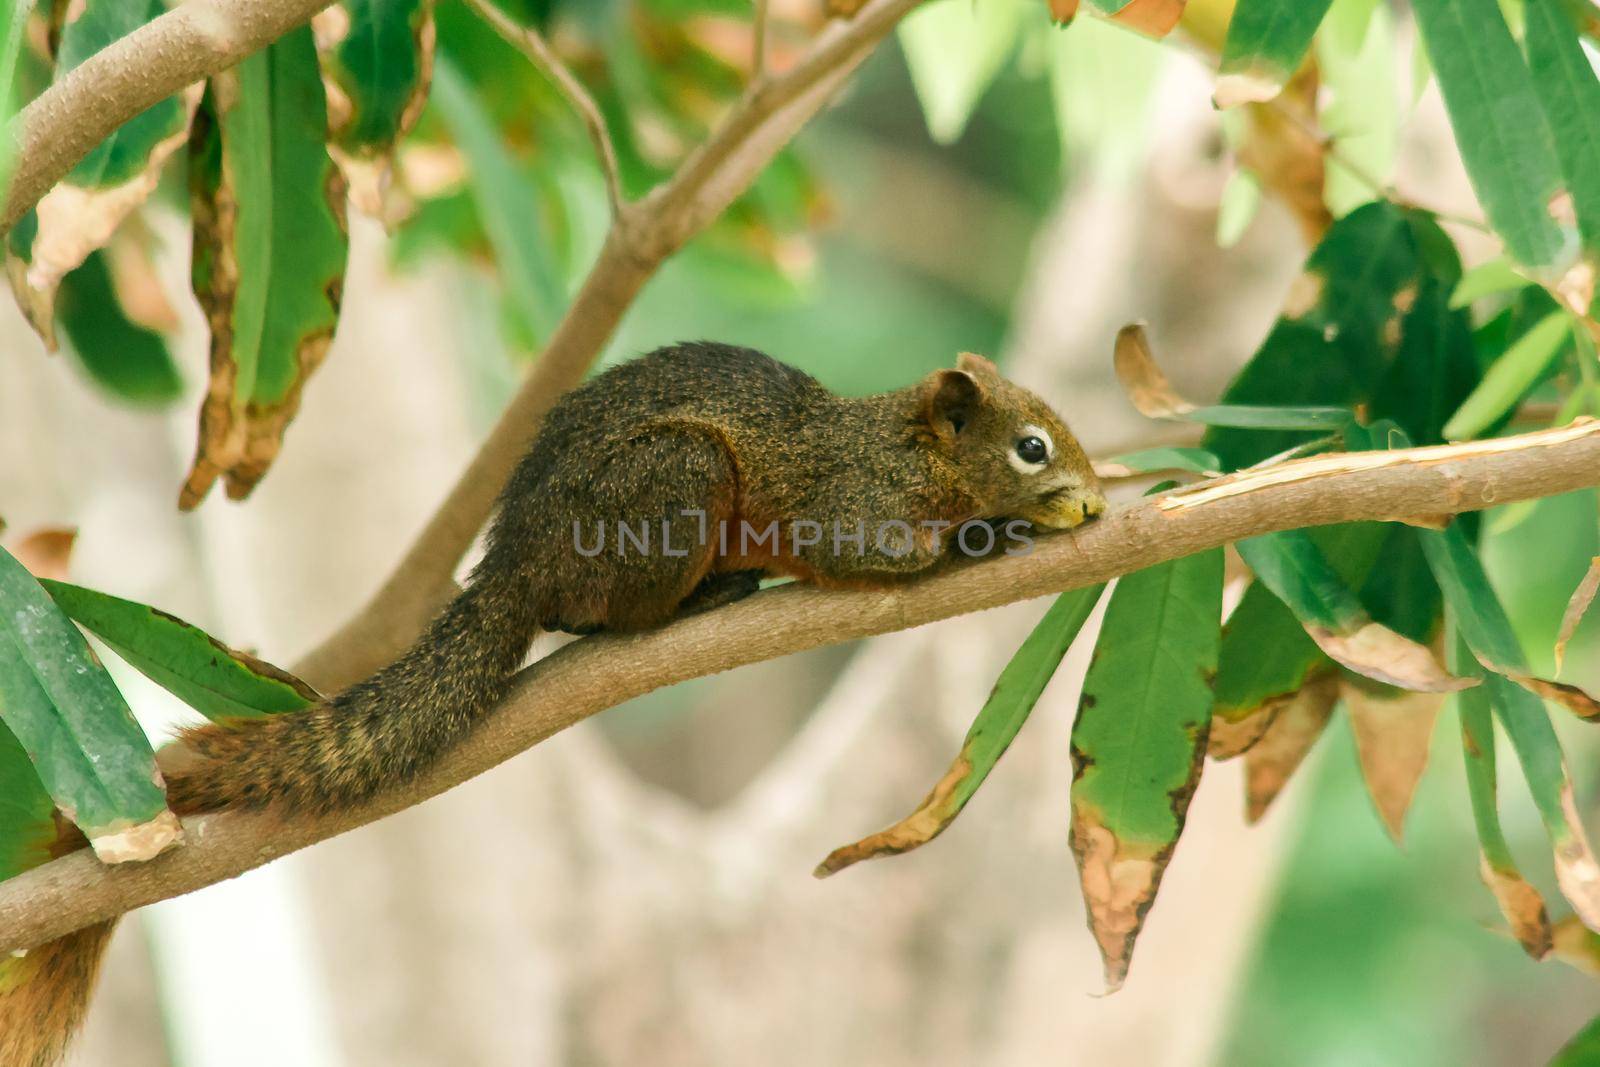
(1014, 453)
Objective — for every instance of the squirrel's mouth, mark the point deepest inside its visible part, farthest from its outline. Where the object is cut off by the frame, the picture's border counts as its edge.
(1066, 507)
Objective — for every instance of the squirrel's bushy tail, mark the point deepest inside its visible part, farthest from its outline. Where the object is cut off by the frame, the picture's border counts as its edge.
(380, 732)
(44, 993)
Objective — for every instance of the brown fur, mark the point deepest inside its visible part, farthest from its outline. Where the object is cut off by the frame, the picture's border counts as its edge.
(725, 431)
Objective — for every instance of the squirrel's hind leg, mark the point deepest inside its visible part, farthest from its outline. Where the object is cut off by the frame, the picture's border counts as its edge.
(716, 590)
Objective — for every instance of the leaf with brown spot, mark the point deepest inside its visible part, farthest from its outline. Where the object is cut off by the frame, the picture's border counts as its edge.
(80, 213)
(1015, 693)
(1272, 761)
(269, 255)
(377, 59)
(1139, 742)
(1392, 729)
(1582, 597)
(1230, 738)
(1293, 567)
(1286, 157)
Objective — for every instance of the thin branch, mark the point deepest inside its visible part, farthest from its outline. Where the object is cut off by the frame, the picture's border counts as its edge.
(765, 119)
(532, 44)
(191, 42)
(758, 44)
(596, 673)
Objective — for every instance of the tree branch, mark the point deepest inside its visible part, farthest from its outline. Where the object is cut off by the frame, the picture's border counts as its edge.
(528, 41)
(642, 236)
(596, 673)
(192, 41)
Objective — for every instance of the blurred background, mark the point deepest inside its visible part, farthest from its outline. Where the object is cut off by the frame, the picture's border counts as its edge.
(638, 890)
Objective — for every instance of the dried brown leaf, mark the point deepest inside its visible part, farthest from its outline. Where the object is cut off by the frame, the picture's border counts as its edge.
(135, 844)
(1281, 148)
(1142, 379)
(1234, 737)
(1582, 597)
(1384, 656)
(1119, 885)
(45, 553)
(1522, 907)
(1392, 729)
(1576, 700)
(1271, 761)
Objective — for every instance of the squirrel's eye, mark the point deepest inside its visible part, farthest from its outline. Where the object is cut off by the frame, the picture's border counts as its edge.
(1032, 450)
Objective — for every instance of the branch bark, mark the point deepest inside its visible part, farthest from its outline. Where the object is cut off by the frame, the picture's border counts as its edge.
(596, 673)
(641, 237)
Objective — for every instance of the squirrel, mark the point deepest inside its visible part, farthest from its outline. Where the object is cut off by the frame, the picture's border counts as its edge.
(744, 466)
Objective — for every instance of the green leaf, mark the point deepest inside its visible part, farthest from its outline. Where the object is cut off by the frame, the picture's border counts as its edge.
(217, 681)
(1151, 460)
(517, 233)
(1583, 1050)
(1498, 275)
(1482, 623)
(79, 734)
(955, 49)
(1359, 109)
(1140, 739)
(269, 255)
(1262, 417)
(1265, 654)
(128, 360)
(376, 58)
(1266, 41)
(379, 66)
(1008, 707)
(1519, 902)
(1510, 377)
(1499, 124)
(27, 815)
(1241, 197)
(1337, 333)
(1570, 93)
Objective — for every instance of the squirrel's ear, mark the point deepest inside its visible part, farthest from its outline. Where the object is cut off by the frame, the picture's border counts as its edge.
(949, 401)
(976, 365)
